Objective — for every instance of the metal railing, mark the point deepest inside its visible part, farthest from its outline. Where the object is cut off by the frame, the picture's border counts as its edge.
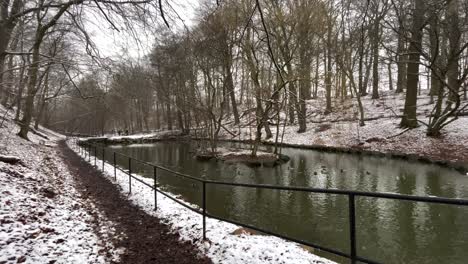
(86, 149)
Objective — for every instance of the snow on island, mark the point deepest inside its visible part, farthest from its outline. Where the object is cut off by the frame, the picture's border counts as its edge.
(137, 138)
(244, 156)
(225, 243)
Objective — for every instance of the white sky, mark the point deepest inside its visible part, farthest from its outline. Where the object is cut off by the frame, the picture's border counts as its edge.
(114, 44)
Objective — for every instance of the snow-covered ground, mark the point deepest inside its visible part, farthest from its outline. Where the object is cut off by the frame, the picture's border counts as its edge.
(340, 129)
(157, 135)
(43, 218)
(224, 245)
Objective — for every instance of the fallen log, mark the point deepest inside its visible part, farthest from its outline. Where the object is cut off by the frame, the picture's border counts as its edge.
(9, 159)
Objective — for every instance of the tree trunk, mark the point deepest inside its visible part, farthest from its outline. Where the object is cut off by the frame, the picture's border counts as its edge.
(390, 76)
(316, 77)
(158, 117)
(409, 119)
(304, 89)
(8, 82)
(434, 34)
(19, 96)
(42, 102)
(328, 78)
(230, 83)
(168, 116)
(5, 34)
(401, 63)
(454, 35)
(31, 89)
(291, 102)
(368, 65)
(7, 24)
(375, 60)
(361, 63)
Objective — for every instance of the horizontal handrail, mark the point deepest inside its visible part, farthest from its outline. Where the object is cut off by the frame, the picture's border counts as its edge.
(180, 174)
(351, 194)
(158, 166)
(395, 196)
(152, 187)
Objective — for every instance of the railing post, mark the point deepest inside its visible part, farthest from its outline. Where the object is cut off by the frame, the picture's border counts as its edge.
(352, 227)
(89, 153)
(95, 155)
(155, 188)
(129, 175)
(204, 210)
(103, 158)
(115, 168)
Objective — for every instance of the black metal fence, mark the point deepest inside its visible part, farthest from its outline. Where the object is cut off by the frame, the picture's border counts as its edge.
(86, 149)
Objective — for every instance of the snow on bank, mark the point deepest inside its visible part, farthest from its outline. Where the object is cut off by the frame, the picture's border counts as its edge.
(223, 246)
(163, 134)
(380, 135)
(339, 129)
(43, 219)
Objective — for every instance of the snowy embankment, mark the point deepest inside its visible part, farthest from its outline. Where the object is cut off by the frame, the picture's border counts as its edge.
(224, 244)
(339, 130)
(43, 218)
(138, 138)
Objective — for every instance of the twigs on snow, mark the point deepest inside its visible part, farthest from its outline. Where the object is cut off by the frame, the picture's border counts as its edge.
(399, 134)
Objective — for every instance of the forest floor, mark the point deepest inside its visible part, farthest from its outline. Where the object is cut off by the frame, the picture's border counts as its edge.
(55, 208)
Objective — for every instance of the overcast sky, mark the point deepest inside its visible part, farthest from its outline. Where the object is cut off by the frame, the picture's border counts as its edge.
(112, 43)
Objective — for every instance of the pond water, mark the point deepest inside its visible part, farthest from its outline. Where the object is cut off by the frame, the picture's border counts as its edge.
(388, 231)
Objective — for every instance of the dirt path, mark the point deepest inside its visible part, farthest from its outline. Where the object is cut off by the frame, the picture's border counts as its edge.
(146, 240)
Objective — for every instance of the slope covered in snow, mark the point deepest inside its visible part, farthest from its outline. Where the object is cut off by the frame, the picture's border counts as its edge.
(43, 219)
(381, 133)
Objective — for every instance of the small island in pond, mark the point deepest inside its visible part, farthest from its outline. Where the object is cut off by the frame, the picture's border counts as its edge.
(244, 156)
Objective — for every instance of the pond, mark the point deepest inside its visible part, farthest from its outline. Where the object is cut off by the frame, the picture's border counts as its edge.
(388, 231)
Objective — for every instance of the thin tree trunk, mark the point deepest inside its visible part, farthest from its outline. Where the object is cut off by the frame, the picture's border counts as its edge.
(375, 60)
(434, 34)
(390, 76)
(328, 77)
(401, 63)
(42, 101)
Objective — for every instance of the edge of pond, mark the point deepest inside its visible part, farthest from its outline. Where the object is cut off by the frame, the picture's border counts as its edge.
(461, 167)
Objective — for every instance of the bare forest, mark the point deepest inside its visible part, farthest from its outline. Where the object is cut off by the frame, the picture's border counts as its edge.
(233, 131)
(257, 64)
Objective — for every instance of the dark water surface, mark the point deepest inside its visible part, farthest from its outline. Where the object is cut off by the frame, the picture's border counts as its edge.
(388, 231)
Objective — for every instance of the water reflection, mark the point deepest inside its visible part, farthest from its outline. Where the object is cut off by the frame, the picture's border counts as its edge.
(388, 231)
